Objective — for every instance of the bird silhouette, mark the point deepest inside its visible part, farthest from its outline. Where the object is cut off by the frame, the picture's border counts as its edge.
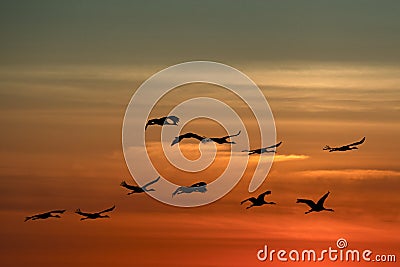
(317, 207)
(170, 120)
(94, 215)
(346, 147)
(45, 215)
(263, 150)
(197, 187)
(259, 201)
(203, 139)
(138, 189)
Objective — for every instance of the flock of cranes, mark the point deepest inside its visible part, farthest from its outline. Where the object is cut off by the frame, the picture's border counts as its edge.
(259, 201)
(86, 215)
(202, 186)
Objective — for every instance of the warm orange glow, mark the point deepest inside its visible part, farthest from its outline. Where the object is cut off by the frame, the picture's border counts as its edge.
(63, 153)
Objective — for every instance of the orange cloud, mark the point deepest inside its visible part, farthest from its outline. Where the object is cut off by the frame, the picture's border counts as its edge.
(351, 174)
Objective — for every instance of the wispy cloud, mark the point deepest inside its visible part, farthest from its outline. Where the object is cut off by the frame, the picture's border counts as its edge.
(327, 75)
(279, 158)
(351, 174)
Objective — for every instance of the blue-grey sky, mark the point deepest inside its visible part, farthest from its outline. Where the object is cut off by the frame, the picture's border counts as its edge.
(139, 32)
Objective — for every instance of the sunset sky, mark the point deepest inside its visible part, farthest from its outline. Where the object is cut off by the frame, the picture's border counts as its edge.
(330, 71)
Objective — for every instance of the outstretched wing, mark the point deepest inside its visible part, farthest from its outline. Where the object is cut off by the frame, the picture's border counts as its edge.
(306, 201)
(191, 135)
(152, 182)
(199, 184)
(357, 143)
(179, 190)
(252, 199)
(107, 210)
(273, 146)
(262, 150)
(78, 211)
(322, 199)
(186, 135)
(229, 136)
(261, 196)
(57, 211)
(254, 151)
(174, 119)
